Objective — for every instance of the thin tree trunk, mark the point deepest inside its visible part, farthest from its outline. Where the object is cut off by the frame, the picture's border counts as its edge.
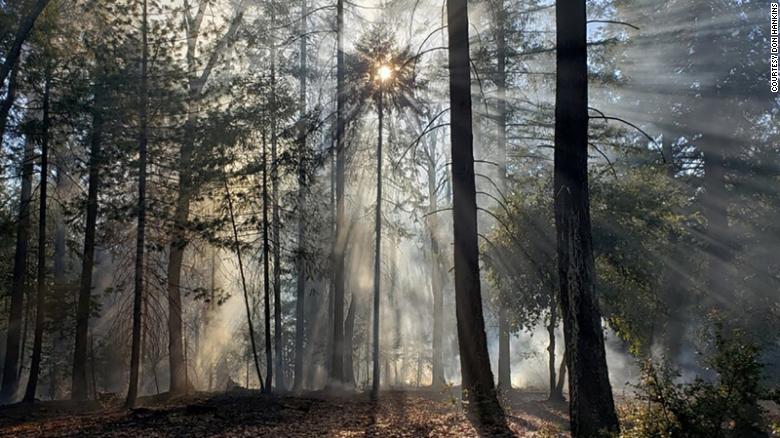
(377, 251)
(300, 286)
(135, 355)
(437, 362)
(13, 343)
(35, 365)
(246, 294)
(25, 27)
(477, 377)
(8, 102)
(504, 363)
(275, 242)
(556, 393)
(266, 277)
(591, 406)
(562, 373)
(336, 374)
(349, 331)
(79, 378)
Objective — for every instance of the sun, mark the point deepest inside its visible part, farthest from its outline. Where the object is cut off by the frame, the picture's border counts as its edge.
(385, 73)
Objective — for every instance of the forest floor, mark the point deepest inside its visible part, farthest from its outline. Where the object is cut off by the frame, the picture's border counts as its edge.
(414, 413)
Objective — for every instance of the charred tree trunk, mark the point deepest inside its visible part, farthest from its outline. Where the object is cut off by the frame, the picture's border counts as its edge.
(592, 409)
(336, 374)
(79, 378)
(35, 364)
(13, 343)
(300, 286)
(477, 378)
(138, 295)
(269, 370)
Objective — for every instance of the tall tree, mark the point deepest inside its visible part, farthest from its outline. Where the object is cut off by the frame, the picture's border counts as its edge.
(300, 285)
(35, 364)
(14, 337)
(477, 378)
(377, 245)
(188, 187)
(591, 406)
(79, 377)
(437, 363)
(504, 371)
(143, 138)
(336, 373)
(275, 219)
(269, 365)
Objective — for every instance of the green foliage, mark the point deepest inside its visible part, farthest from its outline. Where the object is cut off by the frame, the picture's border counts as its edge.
(725, 406)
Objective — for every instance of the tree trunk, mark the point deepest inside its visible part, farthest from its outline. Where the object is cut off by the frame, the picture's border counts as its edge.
(135, 355)
(336, 374)
(13, 339)
(79, 378)
(377, 251)
(266, 276)
(556, 392)
(504, 363)
(437, 362)
(562, 373)
(277, 282)
(591, 406)
(300, 286)
(35, 364)
(349, 331)
(25, 27)
(8, 102)
(477, 377)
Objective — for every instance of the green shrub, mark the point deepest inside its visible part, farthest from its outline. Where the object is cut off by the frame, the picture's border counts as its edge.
(726, 406)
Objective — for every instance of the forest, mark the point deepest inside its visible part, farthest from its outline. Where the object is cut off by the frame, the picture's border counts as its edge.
(404, 218)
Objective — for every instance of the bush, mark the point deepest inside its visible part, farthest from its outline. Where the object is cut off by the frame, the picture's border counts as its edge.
(727, 406)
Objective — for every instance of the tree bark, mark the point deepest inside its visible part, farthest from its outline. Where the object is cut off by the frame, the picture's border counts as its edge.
(336, 375)
(13, 343)
(79, 378)
(138, 295)
(477, 377)
(592, 409)
(35, 364)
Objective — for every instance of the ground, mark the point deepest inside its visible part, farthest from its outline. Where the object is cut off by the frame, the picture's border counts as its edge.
(248, 413)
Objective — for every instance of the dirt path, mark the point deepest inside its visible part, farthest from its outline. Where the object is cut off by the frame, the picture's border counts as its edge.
(237, 414)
